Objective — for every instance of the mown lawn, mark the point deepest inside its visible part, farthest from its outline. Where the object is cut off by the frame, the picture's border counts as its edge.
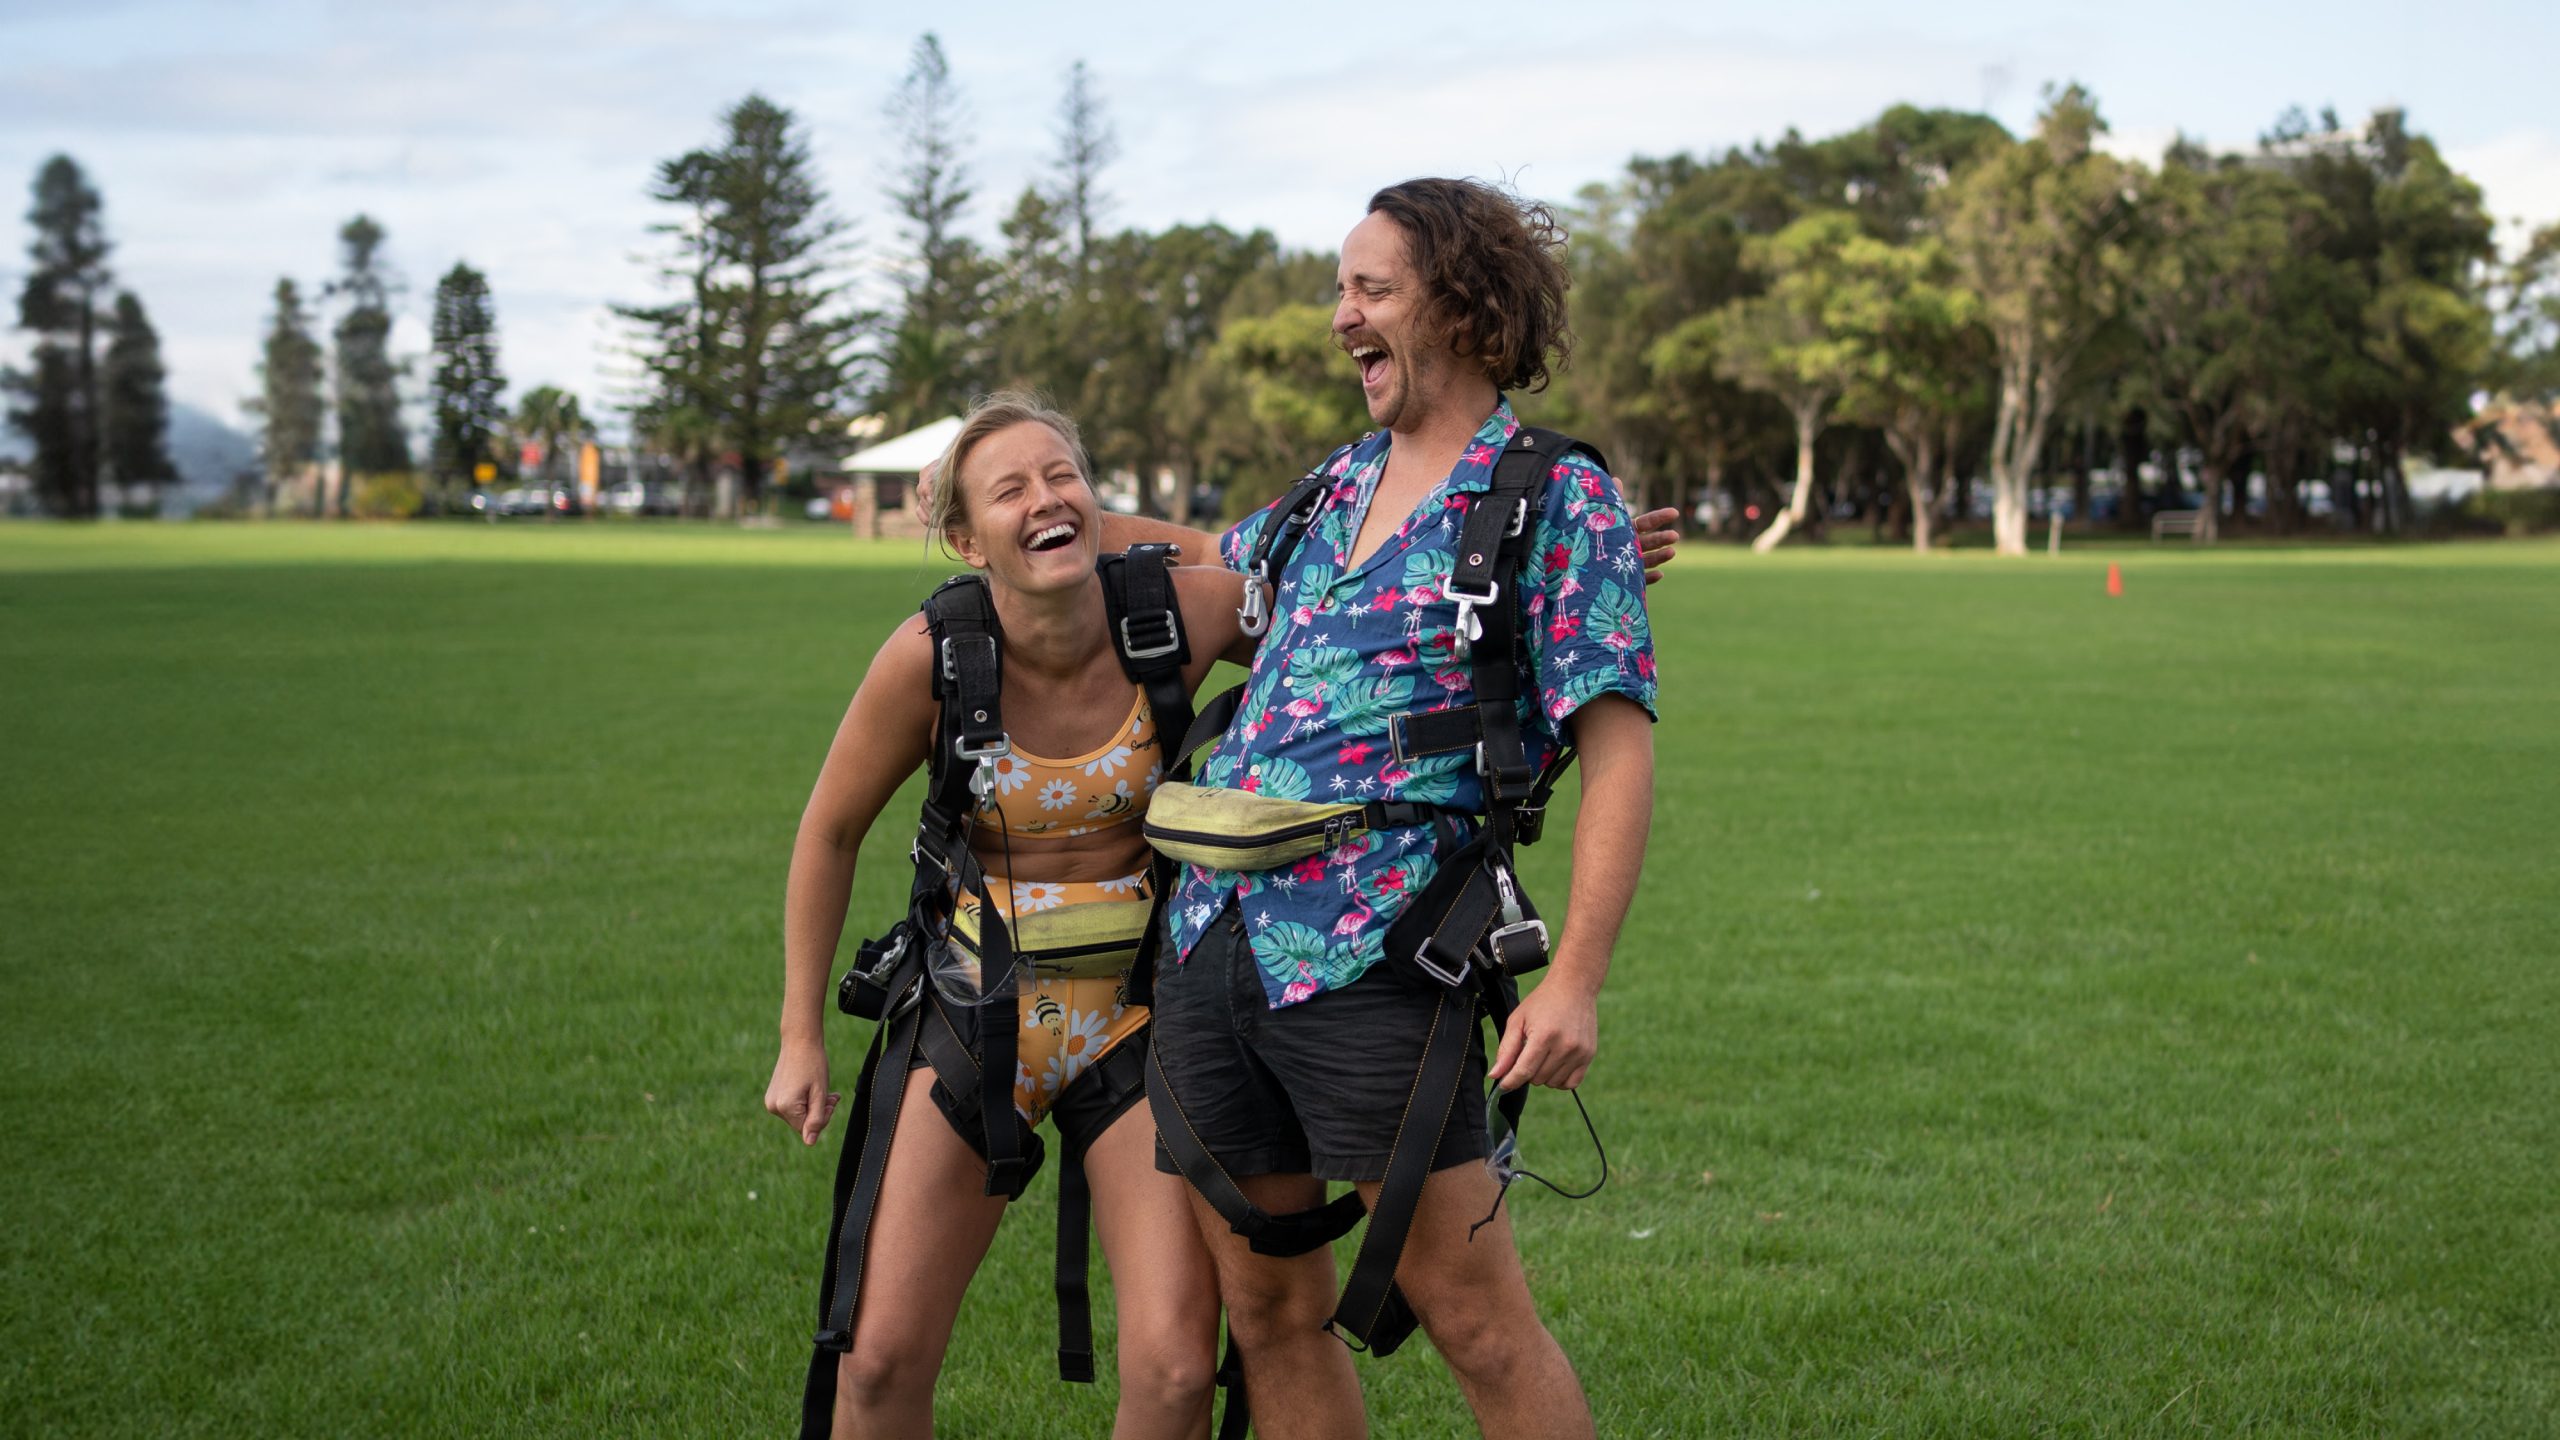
(2045, 1013)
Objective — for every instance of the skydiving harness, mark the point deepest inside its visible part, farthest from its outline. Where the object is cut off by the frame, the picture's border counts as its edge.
(892, 981)
(1469, 935)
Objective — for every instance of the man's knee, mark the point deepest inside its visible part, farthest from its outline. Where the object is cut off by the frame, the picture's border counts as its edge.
(1271, 1300)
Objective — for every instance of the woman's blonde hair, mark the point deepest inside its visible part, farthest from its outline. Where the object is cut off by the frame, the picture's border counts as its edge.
(1000, 411)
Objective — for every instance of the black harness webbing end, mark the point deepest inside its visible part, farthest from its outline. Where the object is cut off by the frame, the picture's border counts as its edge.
(1075, 1299)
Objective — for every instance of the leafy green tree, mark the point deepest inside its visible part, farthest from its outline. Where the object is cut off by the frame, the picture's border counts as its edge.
(289, 408)
(1916, 353)
(371, 438)
(135, 407)
(1780, 342)
(2038, 229)
(932, 362)
(550, 422)
(1031, 340)
(2529, 319)
(467, 385)
(59, 403)
(1284, 365)
(1151, 313)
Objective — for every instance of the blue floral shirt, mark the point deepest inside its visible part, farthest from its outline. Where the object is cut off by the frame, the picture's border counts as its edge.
(1349, 647)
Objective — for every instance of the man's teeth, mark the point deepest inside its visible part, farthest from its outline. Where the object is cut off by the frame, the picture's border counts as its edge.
(1363, 352)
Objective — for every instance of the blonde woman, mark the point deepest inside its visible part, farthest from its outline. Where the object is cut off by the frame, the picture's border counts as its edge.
(1057, 827)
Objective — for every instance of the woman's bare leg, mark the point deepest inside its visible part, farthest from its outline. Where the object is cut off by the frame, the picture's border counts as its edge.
(933, 1226)
(1166, 1292)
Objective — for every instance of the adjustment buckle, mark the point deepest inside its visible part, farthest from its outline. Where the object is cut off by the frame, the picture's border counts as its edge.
(1437, 971)
(1163, 622)
(1497, 944)
(1528, 822)
(951, 657)
(1519, 518)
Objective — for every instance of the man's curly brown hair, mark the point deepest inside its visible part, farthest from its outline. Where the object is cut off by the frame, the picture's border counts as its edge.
(1493, 274)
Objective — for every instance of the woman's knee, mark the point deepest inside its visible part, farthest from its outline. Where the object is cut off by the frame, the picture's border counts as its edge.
(1170, 1376)
(890, 1369)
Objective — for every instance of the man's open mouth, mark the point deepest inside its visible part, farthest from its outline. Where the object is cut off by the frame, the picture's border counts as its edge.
(1372, 360)
(1056, 537)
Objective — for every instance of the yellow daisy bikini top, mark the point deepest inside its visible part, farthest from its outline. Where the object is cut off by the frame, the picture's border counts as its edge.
(1035, 795)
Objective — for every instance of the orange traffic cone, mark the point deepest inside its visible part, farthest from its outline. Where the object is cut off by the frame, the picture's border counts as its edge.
(2115, 580)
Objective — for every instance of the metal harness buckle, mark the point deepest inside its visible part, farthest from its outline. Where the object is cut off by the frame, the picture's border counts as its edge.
(1172, 637)
(1470, 629)
(1253, 617)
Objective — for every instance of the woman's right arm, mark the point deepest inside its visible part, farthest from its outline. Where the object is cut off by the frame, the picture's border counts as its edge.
(886, 734)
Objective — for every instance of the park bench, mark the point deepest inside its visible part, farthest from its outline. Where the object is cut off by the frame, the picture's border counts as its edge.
(2175, 522)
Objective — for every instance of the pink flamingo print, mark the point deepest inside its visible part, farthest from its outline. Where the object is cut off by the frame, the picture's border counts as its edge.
(1350, 924)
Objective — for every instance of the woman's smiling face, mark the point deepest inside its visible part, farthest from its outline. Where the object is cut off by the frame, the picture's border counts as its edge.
(1027, 515)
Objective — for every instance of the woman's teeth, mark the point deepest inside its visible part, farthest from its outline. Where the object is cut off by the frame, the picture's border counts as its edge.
(1053, 537)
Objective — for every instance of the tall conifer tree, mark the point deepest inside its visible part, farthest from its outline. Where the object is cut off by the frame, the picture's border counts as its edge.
(467, 384)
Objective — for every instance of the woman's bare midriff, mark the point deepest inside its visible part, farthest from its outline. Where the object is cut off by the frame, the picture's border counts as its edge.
(1100, 855)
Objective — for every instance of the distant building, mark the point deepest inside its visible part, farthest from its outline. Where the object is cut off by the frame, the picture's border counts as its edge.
(880, 482)
(2518, 443)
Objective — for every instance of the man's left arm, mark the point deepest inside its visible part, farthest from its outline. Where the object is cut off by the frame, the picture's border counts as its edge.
(1556, 1030)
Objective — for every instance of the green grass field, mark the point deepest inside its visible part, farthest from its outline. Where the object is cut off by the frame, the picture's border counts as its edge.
(2044, 1014)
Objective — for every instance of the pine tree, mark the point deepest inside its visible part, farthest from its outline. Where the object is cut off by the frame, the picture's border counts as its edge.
(1086, 143)
(67, 278)
(932, 365)
(757, 353)
(466, 384)
(135, 408)
(289, 407)
(370, 437)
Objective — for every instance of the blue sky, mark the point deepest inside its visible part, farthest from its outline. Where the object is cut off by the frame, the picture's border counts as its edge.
(231, 139)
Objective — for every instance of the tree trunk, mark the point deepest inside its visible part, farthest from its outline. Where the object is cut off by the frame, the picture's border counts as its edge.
(1808, 422)
(2133, 447)
(1920, 480)
(2209, 515)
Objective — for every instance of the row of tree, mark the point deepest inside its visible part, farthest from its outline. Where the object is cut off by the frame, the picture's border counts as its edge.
(98, 423)
(472, 436)
(2315, 312)
(1876, 322)
(1873, 322)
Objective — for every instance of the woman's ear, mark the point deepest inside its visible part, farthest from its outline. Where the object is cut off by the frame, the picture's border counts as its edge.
(961, 541)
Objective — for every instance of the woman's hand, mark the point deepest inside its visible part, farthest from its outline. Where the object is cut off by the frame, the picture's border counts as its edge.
(799, 1093)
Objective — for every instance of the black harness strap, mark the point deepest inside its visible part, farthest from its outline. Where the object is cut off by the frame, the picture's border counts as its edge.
(859, 1167)
(1075, 1296)
(1145, 614)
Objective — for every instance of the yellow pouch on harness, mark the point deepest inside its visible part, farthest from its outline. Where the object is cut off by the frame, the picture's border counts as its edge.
(1095, 938)
(1239, 830)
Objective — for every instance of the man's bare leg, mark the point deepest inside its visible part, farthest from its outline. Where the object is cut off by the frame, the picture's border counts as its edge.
(1297, 1377)
(1473, 1301)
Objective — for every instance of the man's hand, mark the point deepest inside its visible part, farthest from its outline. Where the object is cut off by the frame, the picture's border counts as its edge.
(924, 490)
(799, 1093)
(1657, 538)
(1551, 1037)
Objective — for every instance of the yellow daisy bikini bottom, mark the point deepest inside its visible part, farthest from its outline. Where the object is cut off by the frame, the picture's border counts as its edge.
(1077, 938)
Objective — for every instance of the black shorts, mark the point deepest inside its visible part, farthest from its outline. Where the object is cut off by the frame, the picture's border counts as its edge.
(1318, 1087)
(1092, 1101)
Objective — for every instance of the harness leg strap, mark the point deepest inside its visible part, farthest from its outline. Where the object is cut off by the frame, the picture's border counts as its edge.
(1372, 1311)
(1237, 1420)
(872, 1127)
(1293, 1234)
(1075, 1300)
